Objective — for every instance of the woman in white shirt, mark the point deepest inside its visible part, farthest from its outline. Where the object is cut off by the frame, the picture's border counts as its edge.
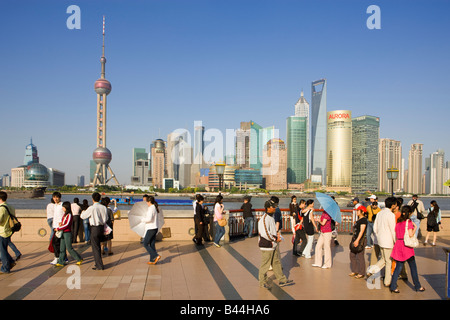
(151, 230)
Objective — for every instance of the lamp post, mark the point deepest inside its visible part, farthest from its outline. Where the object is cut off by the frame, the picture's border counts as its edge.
(220, 170)
(392, 174)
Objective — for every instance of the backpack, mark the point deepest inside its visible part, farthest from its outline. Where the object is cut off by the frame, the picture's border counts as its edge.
(431, 218)
(14, 224)
(414, 206)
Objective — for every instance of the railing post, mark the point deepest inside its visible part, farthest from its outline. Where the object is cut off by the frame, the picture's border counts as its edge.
(226, 215)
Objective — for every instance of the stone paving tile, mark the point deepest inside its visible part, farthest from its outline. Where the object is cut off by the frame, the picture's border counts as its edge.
(186, 273)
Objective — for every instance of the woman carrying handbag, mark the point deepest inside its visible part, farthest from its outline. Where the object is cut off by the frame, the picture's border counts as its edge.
(219, 230)
(405, 233)
(358, 243)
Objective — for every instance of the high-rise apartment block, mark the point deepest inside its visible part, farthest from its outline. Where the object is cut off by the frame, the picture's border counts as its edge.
(389, 155)
(437, 165)
(274, 169)
(415, 169)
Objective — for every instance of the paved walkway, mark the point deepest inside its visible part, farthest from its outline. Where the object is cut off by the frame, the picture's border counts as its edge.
(187, 272)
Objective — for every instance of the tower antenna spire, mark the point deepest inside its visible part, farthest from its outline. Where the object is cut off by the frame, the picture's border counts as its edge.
(103, 59)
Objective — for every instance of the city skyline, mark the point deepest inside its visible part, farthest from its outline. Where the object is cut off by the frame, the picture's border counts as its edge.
(247, 69)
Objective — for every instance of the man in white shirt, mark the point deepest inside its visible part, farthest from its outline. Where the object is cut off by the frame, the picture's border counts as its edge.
(97, 215)
(384, 231)
(418, 209)
(268, 243)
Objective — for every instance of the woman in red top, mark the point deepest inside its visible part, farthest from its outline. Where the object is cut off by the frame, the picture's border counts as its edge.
(324, 242)
(66, 236)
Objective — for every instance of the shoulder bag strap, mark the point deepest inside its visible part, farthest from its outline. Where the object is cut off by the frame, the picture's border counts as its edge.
(7, 209)
(265, 228)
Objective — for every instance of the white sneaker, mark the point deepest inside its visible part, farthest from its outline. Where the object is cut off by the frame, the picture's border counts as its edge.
(325, 267)
(316, 265)
(54, 261)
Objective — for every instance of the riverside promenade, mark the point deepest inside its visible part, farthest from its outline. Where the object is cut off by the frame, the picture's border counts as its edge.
(206, 273)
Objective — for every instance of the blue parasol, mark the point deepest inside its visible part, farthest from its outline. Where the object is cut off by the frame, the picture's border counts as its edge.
(330, 206)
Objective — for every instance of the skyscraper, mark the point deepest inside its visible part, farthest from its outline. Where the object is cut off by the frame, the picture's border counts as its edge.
(31, 154)
(302, 110)
(198, 156)
(365, 137)
(259, 137)
(199, 146)
(437, 165)
(158, 163)
(296, 134)
(101, 155)
(389, 155)
(274, 167)
(319, 130)
(141, 167)
(446, 190)
(415, 168)
(243, 145)
(339, 150)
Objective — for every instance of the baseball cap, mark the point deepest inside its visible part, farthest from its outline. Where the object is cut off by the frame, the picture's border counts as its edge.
(373, 197)
(361, 207)
(355, 199)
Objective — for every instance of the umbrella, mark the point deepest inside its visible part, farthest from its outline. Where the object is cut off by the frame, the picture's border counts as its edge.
(137, 214)
(330, 206)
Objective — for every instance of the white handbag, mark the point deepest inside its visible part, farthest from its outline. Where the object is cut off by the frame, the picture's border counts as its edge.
(411, 242)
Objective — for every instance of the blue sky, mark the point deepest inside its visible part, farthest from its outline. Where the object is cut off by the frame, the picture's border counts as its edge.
(171, 62)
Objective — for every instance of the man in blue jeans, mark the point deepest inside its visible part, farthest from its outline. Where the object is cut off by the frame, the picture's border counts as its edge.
(5, 234)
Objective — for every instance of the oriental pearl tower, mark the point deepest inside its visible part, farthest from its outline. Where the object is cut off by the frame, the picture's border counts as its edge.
(102, 156)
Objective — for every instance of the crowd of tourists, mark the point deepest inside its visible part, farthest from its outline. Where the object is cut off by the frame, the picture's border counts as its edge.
(382, 231)
(383, 236)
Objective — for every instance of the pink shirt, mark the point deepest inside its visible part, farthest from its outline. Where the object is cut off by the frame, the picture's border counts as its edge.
(218, 209)
(327, 226)
(400, 252)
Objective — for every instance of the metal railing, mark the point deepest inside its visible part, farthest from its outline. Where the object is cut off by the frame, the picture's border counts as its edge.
(236, 221)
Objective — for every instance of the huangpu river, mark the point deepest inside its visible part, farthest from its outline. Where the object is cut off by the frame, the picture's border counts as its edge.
(257, 202)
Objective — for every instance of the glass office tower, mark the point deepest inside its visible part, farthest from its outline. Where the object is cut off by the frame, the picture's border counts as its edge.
(365, 137)
(318, 130)
(259, 137)
(296, 149)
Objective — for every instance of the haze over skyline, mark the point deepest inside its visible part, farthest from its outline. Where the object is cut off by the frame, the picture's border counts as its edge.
(174, 62)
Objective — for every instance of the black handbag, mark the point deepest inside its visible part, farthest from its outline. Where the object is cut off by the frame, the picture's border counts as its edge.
(263, 242)
(361, 244)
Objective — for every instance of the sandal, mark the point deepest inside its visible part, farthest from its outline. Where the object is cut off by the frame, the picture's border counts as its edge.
(352, 274)
(359, 276)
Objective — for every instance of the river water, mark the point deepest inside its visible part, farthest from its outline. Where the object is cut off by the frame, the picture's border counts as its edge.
(36, 204)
